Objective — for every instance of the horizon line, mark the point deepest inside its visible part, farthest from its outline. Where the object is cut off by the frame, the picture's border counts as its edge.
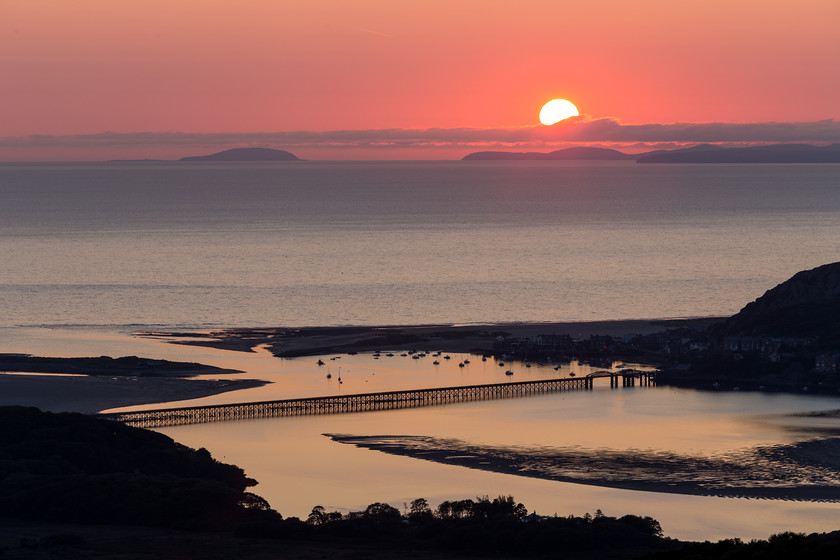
(601, 132)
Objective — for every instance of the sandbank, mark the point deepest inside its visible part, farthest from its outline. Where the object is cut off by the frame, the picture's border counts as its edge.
(803, 471)
(313, 341)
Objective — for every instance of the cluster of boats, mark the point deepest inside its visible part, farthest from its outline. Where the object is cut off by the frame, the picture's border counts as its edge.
(416, 355)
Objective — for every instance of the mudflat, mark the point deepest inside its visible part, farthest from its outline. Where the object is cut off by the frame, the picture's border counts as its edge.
(801, 471)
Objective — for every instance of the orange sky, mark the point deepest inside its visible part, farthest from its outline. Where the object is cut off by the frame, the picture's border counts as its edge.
(201, 67)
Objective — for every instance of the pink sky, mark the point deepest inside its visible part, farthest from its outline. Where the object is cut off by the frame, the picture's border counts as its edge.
(210, 73)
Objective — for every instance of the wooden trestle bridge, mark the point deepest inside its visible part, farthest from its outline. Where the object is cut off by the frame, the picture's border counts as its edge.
(387, 400)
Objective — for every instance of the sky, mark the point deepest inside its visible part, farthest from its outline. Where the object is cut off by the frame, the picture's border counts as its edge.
(430, 79)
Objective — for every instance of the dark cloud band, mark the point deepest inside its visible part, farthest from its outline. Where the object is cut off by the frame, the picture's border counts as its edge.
(574, 130)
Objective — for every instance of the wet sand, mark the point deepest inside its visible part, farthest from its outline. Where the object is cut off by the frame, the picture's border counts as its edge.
(804, 471)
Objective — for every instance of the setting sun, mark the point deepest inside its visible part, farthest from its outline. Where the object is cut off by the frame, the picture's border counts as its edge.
(557, 110)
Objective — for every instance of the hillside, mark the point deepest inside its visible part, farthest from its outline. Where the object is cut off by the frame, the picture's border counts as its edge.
(75, 468)
(246, 154)
(806, 305)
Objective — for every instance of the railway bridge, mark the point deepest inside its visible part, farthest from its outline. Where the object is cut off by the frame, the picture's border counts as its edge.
(388, 400)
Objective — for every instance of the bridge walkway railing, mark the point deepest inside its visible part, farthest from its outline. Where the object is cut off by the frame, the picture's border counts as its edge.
(336, 404)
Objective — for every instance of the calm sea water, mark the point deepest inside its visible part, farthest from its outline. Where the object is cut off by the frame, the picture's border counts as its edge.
(209, 245)
(91, 252)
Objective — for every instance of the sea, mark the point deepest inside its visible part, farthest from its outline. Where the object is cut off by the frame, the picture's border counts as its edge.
(92, 253)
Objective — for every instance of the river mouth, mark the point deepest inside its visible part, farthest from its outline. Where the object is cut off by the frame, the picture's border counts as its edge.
(802, 471)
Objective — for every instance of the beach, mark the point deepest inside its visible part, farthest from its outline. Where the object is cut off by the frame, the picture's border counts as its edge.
(313, 341)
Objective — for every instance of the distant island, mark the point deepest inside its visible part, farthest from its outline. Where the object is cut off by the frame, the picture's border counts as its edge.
(581, 153)
(776, 153)
(702, 153)
(246, 154)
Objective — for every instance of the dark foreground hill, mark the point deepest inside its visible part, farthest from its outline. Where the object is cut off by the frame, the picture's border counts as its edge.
(786, 340)
(79, 487)
(79, 469)
(246, 154)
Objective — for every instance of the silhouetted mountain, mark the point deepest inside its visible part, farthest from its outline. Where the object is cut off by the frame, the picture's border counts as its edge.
(692, 149)
(807, 305)
(246, 154)
(776, 153)
(581, 153)
(74, 468)
(702, 153)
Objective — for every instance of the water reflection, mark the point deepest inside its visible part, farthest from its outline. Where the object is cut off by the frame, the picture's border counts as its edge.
(368, 372)
(298, 467)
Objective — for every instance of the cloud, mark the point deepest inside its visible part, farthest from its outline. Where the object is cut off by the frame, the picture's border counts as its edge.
(580, 130)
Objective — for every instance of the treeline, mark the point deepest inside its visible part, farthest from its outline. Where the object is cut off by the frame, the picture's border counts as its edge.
(500, 526)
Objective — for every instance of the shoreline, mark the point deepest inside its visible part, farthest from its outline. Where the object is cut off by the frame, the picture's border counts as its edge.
(94, 393)
(90, 394)
(288, 342)
(629, 471)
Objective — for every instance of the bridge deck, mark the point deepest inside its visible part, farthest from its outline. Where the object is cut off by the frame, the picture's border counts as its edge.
(348, 403)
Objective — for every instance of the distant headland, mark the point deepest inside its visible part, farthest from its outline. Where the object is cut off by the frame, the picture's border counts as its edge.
(703, 153)
(581, 153)
(246, 154)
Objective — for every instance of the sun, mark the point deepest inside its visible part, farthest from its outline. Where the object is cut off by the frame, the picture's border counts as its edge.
(557, 110)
